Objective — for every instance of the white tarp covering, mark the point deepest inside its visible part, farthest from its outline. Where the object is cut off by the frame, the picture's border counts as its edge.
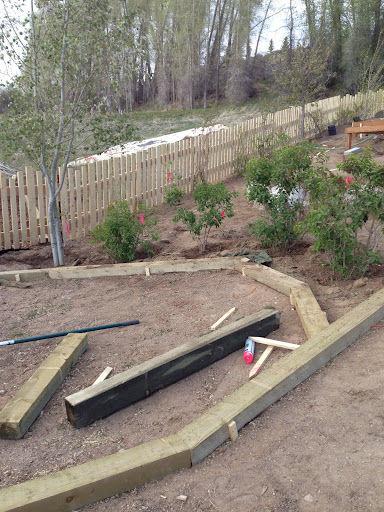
(135, 146)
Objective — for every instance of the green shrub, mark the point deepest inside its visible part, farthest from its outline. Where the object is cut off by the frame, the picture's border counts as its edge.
(123, 231)
(174, 195)
(340, 208)
(345, 115)
(213, 204)
(278, 182)
(266, 145)
(316, 122)
(364, 166)
(263, 146)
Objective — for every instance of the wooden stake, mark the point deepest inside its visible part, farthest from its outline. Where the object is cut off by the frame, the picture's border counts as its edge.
(233, 432)
(259, 363)
(147, 271)
(103, 375)
(274, 343)
(221, 320)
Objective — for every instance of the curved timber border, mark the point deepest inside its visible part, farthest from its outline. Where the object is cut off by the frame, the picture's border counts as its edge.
(74, 487)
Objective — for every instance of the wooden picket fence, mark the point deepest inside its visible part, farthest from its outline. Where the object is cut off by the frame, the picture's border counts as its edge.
(145, 176)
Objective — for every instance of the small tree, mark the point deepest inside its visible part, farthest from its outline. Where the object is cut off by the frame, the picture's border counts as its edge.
(213, 204)
(59, 50)
(301, 75)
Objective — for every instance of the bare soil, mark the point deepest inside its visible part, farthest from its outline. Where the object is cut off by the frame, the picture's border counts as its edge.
(319, 448)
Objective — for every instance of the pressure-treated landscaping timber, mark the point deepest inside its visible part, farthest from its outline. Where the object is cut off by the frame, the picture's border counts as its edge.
(122, 269)
(312, 318)
(209, 431)
(270, 277)
(98, 479)
(100, 400)
(71, 488)
(22, 410)
(24, 275)
(143, 268)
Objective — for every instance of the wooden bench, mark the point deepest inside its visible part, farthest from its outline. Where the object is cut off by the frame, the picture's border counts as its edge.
(375, 126)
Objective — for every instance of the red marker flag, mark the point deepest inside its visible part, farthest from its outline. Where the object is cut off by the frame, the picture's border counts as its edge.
(348, 181)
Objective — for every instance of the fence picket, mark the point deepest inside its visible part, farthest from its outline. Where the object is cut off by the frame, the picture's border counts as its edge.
(41, 205)
(99, 193)
(78, 201)
(72, 203)
(31, 195)
(92, 194)
(22, 214)
(128, 180)
(123, 177)
(14, 216)
(134, 182)
(5, 211)
(85, 188)
(158, 175)
(139, 177)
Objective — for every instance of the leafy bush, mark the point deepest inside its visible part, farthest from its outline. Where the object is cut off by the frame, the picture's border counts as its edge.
(345, 115)
(263, 146)
(174, 195)
(278, 182)
(123, 231)
(364, 166)
(213, 204)
(340, 208)
(316, 121)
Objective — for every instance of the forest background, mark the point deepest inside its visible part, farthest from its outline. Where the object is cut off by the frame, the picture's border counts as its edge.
(192, 54)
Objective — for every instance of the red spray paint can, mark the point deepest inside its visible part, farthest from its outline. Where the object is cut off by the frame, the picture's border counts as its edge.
(249, 351)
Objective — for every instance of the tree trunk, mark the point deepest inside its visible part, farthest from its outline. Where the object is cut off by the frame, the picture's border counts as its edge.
(55, 229)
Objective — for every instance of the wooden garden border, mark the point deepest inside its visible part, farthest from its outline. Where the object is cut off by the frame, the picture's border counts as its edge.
(74, 487)
(22, 410)
(121, 269)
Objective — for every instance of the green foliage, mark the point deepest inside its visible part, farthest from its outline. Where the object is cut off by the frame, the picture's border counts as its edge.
(364, 166)
(174, 195)
(345, 115)
(122, 231)
(340, 208)
(213, 204)
(267, 145)
(286, 170)
(108, 130)
(316, 122)
(263, 146)
(302, 74)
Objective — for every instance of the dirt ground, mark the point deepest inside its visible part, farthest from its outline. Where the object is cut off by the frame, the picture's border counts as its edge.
(319, 448)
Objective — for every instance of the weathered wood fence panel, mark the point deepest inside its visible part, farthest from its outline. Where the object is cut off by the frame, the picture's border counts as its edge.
(144, 177)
